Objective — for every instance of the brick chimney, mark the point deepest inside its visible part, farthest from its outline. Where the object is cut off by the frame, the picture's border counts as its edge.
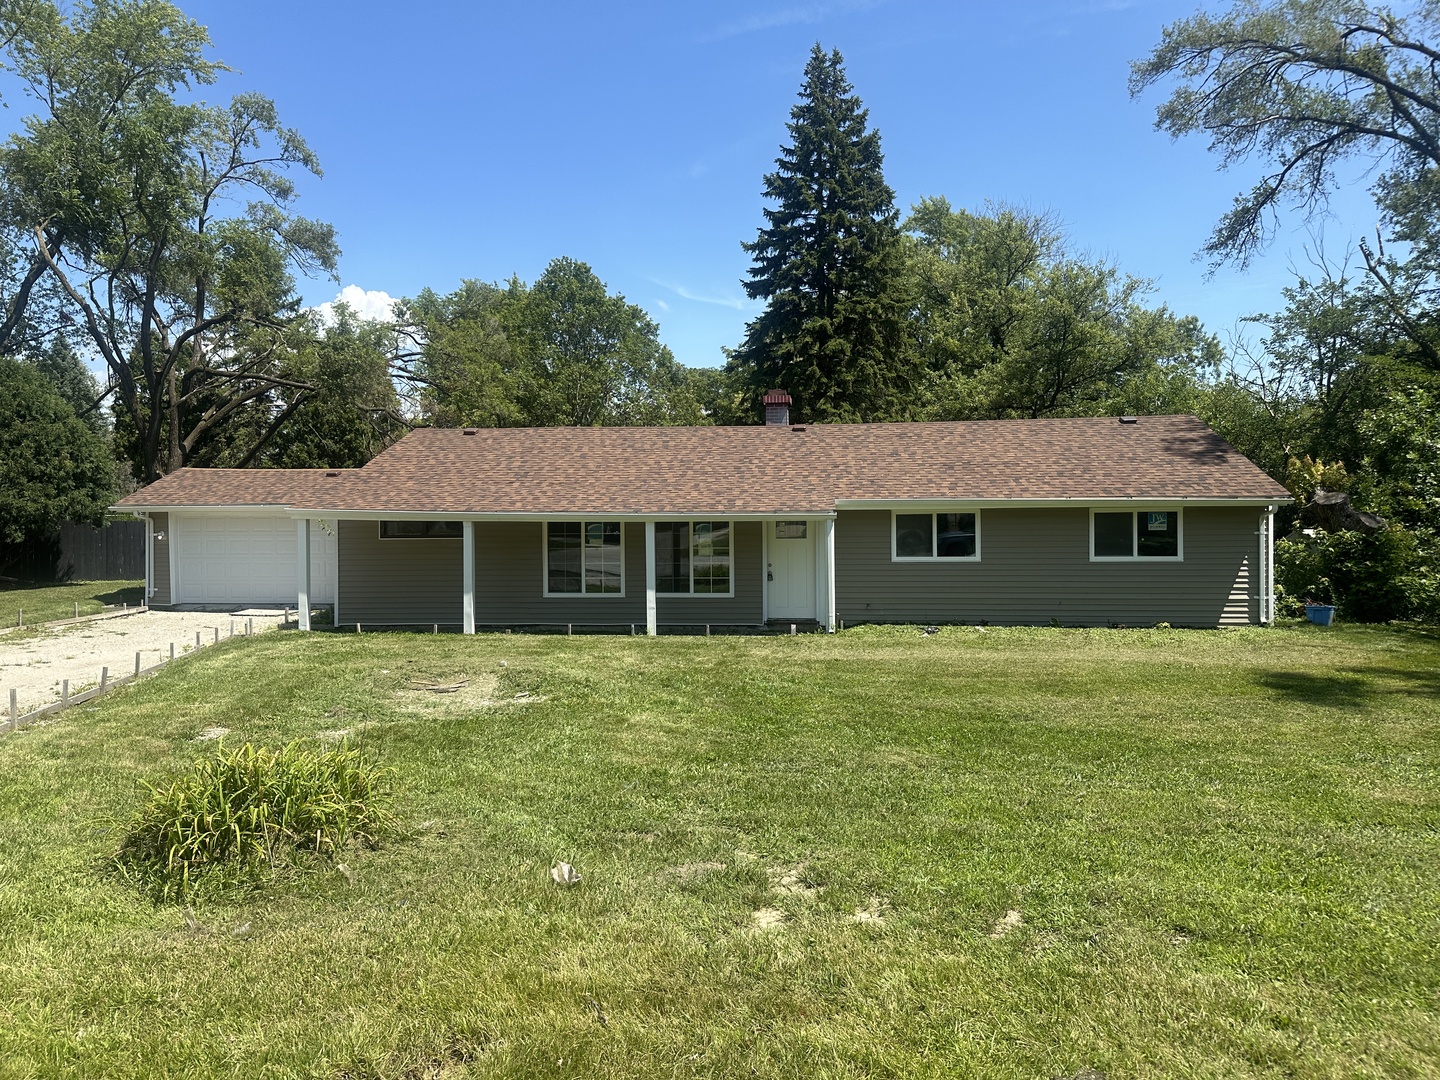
(777, 408)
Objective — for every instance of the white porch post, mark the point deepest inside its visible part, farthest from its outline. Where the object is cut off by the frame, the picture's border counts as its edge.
(766, 528)
(149, 558)
(302, 573)
(829, 557)
(650, 614)
(467, 553)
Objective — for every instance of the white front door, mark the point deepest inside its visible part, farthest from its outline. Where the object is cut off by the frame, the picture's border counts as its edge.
(791, 573)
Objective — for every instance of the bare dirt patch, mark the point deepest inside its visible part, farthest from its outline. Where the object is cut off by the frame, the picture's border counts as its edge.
(872, 912)
(449, 694)
(791, 881)
(768, 918)
(1011, 920)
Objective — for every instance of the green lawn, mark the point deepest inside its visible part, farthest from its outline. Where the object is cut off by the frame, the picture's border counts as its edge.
(1222, 849)
(47, 603)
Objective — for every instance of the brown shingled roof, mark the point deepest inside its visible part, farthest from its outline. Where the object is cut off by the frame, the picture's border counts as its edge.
(750, 470)
(228, 487)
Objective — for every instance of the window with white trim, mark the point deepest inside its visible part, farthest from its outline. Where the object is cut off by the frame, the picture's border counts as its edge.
(1135, 534)
(935, 536)
(694, 558)
(584, 558)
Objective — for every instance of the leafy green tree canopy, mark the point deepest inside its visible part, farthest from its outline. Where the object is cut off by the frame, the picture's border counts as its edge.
(563, 351)
(1303, 85)
(829, 265)
(53, 468)
(127, 192)
(1009, 324)
(68, 376)
(352, 411)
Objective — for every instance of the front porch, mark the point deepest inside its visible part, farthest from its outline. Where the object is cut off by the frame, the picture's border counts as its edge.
(563, 573)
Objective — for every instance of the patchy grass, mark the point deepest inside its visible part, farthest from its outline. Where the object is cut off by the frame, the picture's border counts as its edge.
(50, 603)
(1008, 853)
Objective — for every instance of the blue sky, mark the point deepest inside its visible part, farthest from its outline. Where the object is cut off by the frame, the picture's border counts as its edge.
(482, 140)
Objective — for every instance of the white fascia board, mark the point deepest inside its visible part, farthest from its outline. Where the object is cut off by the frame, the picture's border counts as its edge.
(589, 515)
(923, 505)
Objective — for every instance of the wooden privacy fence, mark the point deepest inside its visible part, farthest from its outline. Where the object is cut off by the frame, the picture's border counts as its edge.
(74, 552)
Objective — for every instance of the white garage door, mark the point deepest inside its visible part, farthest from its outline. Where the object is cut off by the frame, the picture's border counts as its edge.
(247, 559)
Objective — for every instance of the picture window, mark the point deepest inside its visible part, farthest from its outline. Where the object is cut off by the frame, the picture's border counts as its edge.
(1135, 534)
(936, 536)
(584, 558)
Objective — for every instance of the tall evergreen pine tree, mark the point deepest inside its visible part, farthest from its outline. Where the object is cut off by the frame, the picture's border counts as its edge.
(830, 265)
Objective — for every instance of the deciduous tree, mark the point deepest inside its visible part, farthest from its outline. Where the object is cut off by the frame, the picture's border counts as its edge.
(127, 192)
(1009, 324)
(564, 351)
(1306, 87)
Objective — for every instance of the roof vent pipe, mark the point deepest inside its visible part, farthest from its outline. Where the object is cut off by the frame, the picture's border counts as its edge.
(777, 408)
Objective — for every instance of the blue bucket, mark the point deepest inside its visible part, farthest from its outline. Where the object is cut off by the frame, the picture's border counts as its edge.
(1320, 614)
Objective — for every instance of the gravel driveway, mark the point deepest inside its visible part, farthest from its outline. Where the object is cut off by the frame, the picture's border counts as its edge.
(35, 663)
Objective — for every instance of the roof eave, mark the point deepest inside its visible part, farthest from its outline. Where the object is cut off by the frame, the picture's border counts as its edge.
(1079, 500)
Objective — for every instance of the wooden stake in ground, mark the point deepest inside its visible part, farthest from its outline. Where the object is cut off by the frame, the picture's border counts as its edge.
(64, 693)
(104, 678)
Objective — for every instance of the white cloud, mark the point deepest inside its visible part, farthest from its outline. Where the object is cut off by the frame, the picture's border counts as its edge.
(372, 305)
(662, 305)
(790, 16)
(738, 303)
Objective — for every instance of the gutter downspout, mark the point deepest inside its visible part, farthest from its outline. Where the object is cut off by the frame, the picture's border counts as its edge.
(1270, 565)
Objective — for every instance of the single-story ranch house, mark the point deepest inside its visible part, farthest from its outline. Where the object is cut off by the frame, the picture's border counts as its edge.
(1132, 520)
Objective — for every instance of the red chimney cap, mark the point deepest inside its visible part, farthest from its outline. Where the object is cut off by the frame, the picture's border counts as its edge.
(777, 397)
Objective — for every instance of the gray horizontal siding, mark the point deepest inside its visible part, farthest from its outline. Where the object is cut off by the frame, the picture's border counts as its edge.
(510, 585)
(160, 523)
(1035, 567)
(745, 608)
(416, 582)
(396, 581)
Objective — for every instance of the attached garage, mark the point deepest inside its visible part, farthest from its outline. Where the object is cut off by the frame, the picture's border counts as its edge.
(247, 558)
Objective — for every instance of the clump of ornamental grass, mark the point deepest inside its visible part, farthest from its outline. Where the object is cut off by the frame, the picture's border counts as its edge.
(248, 814)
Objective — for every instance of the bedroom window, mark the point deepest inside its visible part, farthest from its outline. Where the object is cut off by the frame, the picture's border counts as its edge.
(1135, 534)
(584, 558)
(935, 536)
(693, 557)
(420, 530)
